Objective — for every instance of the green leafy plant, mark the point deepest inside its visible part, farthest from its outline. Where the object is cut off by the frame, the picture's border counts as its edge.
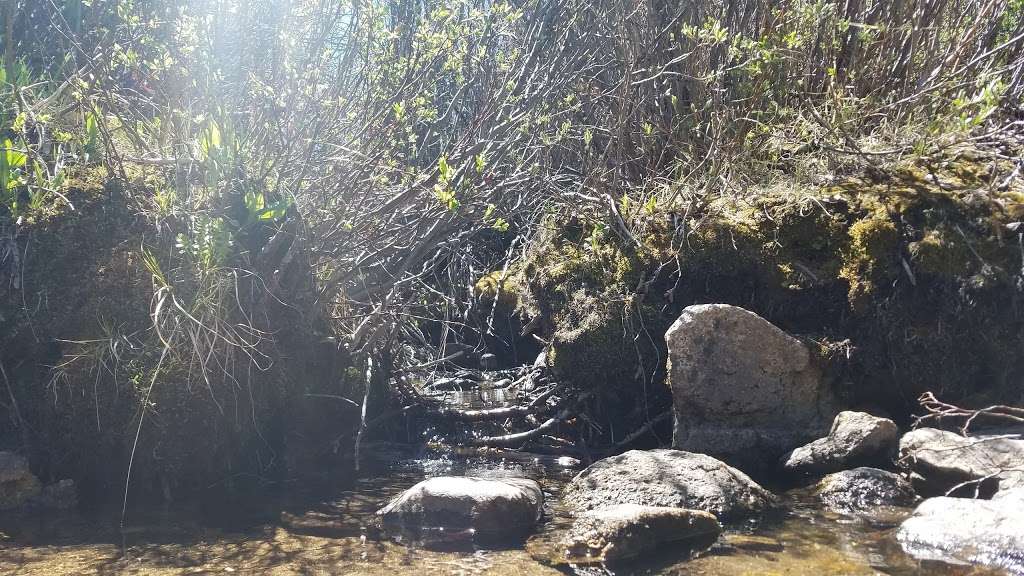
(12, 164)
(91, 148)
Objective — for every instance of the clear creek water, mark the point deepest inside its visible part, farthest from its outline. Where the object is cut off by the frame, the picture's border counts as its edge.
(332, 533)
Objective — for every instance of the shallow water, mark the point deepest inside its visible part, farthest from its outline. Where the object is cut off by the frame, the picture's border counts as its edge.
(332, 533)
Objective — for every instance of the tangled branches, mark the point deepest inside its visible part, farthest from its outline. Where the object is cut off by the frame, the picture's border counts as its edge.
(938, 411)
(364, 164)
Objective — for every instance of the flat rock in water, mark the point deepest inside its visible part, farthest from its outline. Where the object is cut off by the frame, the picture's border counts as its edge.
(987, 532)
(939, 461)
(861, 489)
(488, 506)
(628, 530)
(671, 478)
(743, 390)
(856, 438)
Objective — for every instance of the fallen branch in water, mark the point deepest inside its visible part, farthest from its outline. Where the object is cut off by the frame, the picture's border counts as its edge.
(485, 414)
(938, 411)
(518, 438)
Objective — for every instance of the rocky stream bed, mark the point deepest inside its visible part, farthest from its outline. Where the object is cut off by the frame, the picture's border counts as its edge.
(844, 494)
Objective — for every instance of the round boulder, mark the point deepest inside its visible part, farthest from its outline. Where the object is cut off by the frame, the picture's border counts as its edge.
(488, 506)
(671, 478)
(862, 489)
(627, 530)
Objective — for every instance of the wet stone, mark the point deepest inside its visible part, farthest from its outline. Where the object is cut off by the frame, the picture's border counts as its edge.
(862, 489)
(466, 508)
(625, 531)
(987, 532)
(670, 478)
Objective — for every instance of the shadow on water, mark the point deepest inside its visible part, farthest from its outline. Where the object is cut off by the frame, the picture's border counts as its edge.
(334, 532)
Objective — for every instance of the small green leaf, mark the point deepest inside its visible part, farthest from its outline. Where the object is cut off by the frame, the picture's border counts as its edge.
(210, 140)
(15, 158)
(444, 169)
(650, 205)
(254, 202)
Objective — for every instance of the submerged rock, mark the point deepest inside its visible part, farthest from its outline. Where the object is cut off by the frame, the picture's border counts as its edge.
(965, 530)
(671, 478)
(861, 489)
(743, 390)
(627, 530)
(856, 438)
(18, 485)
(490, 507)
(939, 461)
(61, 495)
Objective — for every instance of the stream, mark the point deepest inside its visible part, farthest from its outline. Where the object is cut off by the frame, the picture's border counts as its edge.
(332, 533)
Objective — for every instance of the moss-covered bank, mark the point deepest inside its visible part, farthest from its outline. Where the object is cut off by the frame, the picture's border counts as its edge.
(907, 278)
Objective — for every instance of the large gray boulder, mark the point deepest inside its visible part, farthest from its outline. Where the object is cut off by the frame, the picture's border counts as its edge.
(628, 530)
(856, 438)
(939, 461)
(490, 506)
(743, 390)
(18, 486)
(862, 489)
(989, 532)
(671, 478)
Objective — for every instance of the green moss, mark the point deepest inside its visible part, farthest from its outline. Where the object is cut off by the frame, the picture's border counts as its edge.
(496, 284)
(939, 252)
(869, 259)
(588, 345)
(805, 235)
